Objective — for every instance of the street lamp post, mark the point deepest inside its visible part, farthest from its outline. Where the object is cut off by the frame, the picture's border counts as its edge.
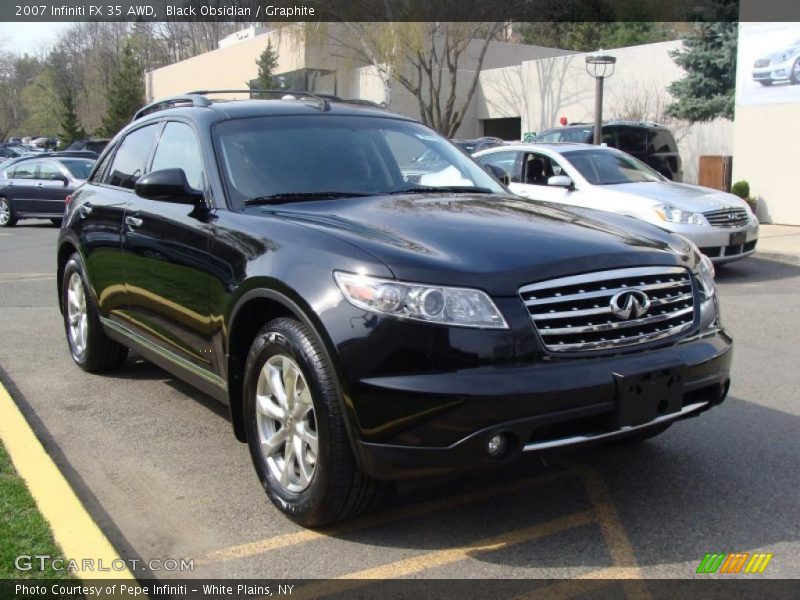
(600, 66)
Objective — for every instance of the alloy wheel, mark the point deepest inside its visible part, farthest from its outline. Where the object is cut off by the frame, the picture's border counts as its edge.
(77, 315)
(286, 423)
(5, 212)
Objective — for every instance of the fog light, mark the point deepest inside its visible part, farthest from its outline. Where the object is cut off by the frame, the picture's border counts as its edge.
(497, 445)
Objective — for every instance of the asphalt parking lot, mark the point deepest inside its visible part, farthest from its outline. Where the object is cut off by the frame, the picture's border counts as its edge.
(160, 470)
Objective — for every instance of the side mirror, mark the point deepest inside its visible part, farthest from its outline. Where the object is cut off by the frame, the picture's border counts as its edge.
(62, 179)
(499, 173)
(561, 181)
(167, 185)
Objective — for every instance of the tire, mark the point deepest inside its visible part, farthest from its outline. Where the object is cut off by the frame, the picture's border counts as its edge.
(56, 222)
(91, 349)
(765, 82)
(641, 436)
(312, 488)
(794, 78)
(7, 217)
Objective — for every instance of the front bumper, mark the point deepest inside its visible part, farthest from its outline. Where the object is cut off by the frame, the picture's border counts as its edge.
(773, 72)
(715, 242)
(552, 404)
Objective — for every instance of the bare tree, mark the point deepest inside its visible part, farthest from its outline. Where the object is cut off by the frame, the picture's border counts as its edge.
(645, 101)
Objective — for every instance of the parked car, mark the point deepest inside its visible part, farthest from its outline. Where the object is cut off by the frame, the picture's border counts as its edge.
(783, 65)
(14, 151)
(482, 143)
(45, 143)
(37, 188)
(652, 144)
(722, 225)
(362, 328)
(14, 140)
(96, 146)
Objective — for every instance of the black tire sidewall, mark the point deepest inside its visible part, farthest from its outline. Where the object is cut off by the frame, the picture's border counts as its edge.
(285, 339)
(75, 265)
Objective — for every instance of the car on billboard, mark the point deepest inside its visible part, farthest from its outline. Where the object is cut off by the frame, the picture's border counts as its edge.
(782, 65)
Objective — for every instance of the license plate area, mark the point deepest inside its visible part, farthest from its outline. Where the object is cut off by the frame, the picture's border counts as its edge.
(643, 397)
(738, 238)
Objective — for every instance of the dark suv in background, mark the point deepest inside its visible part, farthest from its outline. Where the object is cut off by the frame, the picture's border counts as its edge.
(653, 144)
(362, 327)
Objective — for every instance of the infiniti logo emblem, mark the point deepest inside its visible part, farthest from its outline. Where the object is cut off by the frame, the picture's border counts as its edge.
(630, 304)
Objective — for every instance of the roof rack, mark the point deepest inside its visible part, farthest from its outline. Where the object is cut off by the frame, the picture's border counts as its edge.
(191, 99)
(322, 99)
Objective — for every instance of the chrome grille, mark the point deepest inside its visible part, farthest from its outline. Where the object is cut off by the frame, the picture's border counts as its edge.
(727, 217)
(574, 314)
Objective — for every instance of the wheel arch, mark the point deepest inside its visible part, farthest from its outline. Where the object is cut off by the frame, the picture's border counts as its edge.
(66, 249)
(253, 310)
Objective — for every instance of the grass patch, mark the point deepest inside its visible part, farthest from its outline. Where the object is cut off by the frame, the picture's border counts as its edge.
(23, 530)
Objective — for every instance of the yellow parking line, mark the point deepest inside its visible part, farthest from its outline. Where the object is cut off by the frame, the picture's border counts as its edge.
(406, 512)
(73, 528)
(429, 560)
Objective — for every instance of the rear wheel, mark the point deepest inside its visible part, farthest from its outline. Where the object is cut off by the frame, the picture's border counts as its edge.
(296, 431)
(7, 218)
(89, 346)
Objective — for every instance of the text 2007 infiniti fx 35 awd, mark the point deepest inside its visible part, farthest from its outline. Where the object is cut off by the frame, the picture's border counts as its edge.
(363, 326)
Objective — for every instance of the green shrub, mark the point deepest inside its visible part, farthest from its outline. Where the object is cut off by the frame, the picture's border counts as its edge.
(741, 189)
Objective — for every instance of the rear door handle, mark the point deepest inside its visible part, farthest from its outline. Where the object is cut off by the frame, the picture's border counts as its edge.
(39, 185)
(133, 222)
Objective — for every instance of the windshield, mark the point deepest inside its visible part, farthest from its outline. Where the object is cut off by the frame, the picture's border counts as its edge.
(267, 157)
(580, 135)
(607, 167)
(80, 169)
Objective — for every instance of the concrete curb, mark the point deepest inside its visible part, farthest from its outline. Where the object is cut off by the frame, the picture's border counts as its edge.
(73, 528)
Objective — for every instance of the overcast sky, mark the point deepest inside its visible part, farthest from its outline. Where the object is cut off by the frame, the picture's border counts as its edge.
(30, 38)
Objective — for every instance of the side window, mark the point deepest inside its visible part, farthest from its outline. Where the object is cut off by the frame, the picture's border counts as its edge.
(538, 168)
(26, 170)
(97, 173)
(178, 149)
(632, 139)
(49, 171)
(129, 161)
(661, 142)
(504, 160)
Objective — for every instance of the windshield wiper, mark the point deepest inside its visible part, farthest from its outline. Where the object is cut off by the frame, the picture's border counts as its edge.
(445, 189)
(295, 196)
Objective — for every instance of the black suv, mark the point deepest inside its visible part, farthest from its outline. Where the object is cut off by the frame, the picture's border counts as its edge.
(361, 327)
(653, 144)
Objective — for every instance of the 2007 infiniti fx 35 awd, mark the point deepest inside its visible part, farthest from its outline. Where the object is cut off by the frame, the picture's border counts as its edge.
(364, 325)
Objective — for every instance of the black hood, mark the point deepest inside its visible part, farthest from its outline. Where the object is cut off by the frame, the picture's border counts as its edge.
(495, 243)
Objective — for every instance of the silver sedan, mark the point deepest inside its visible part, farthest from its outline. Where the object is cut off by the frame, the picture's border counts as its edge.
(720, 224)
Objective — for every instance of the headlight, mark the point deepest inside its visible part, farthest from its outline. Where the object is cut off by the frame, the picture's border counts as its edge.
(437, 304)
(672, 214)
(706, 275)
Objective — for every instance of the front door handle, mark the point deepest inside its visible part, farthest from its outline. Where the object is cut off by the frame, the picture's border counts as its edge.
(133, 222)
(85, 210)
(39, 185)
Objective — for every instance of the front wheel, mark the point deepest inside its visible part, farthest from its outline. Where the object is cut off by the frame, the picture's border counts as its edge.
(89, 346)
(296, 431)
(7, 218)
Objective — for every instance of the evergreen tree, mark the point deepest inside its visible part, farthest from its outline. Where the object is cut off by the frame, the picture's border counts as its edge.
(125, 94)
(71, 128)
(709, 58)
(267, 63)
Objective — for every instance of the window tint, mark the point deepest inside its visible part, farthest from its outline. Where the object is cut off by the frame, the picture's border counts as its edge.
(25, 170)
(178, 149)
(632, 139)
(49, 171)
(129, 161)
(538, 168)
(80, 169)
(604, 167)
(98, 172)
(661, 141)
(504, 160)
